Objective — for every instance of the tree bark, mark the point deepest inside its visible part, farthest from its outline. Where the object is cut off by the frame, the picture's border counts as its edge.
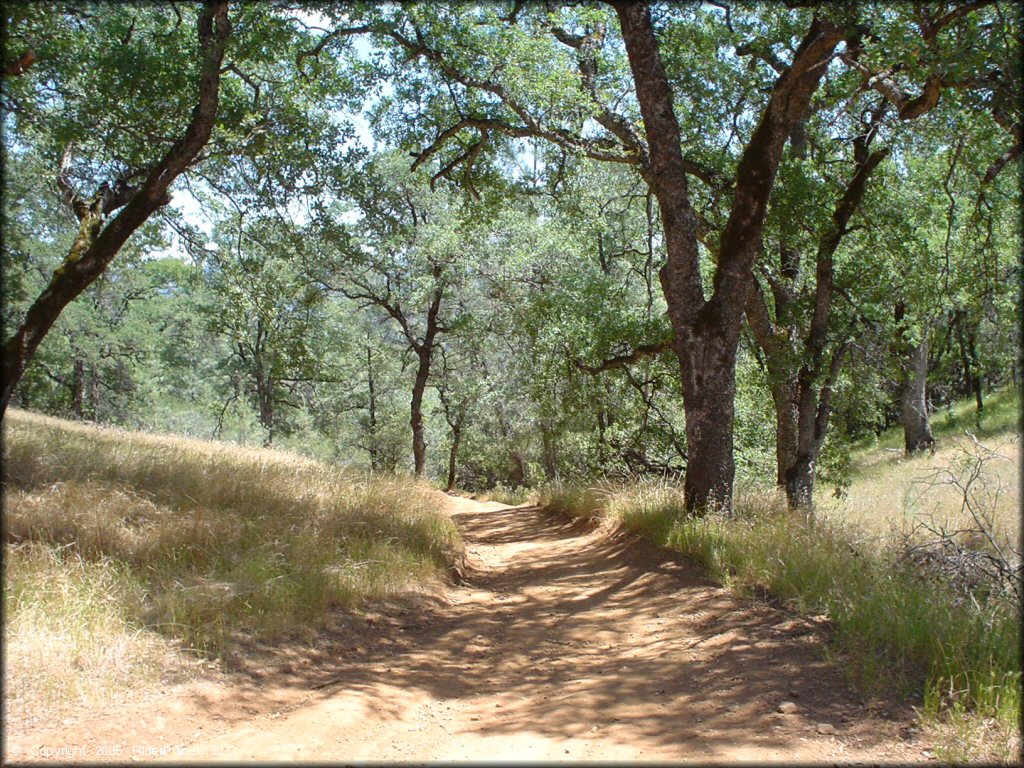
(972, 350)
(265, 395)
(96, 245)
(424, 353)
(419, 442)
(917, 431)
(787, 427)
(707, 331)
(422, 347)
(913, 362)
(453, 457)
(371, 426)
(801, 387)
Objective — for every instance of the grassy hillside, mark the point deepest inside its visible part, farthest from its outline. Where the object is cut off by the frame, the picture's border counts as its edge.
(891, 492)
(897, 623)
(122, 548)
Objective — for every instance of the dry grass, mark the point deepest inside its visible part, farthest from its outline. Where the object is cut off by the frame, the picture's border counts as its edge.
(121, 547)
(891, 493)
(514, 497)
(71, 636)
(894, 625)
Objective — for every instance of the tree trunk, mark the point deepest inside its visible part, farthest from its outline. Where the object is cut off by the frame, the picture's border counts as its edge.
(371, 426)
(518, 473)
(966, 339)
(78, 389)
(419, 443)
(972, 350)
(787, 422)
(453, 457)
(550, 453)
(265, 396)
(94, 393)
(802, 408)
(800, 483)
(707, 331)
(708, 368)
(917, 431)
(96, 245)
(263, 375)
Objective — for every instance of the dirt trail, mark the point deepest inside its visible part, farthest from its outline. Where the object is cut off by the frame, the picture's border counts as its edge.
(562, 644)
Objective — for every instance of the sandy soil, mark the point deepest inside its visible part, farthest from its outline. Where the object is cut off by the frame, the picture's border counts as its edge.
(561, 643)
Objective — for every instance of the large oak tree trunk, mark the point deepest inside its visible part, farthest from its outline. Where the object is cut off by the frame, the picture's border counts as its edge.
(708, 367)
(97, 242)
(707, 330)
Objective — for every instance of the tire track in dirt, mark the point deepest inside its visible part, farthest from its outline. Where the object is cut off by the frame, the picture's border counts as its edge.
(564, 643)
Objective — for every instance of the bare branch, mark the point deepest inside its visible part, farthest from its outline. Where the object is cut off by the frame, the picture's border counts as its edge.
(955, 14)
(1002, 161)
(26, 60)
(68, 192)
(763, 53)
(517, 6)
(326, 39)
(908, 107)
(638, 353)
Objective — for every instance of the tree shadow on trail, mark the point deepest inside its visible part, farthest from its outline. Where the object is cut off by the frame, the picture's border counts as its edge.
(586, 634)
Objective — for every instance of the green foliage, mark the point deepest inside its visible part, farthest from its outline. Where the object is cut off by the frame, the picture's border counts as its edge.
(288, 298)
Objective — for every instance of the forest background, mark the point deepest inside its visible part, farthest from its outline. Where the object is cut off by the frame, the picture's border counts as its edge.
(507, 285)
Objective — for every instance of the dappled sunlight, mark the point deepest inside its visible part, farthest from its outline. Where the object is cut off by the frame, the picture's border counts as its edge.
(568, 639)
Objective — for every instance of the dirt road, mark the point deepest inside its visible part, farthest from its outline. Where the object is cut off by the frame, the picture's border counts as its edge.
(562, 644)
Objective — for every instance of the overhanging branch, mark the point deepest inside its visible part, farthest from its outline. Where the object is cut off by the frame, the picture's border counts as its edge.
(637, 353)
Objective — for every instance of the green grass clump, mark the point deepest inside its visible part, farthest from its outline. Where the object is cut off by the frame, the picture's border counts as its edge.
(576, 500)
(503, 494)
(217, 539)
(1001, 416)
(896, 626)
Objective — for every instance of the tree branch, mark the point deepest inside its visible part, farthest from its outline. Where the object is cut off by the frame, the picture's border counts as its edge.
(95, 248)
(1002, 161)
(638, 353)
(326, 39)
(19, 67)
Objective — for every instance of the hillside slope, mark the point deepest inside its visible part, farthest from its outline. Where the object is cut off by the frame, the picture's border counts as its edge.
(129, 555)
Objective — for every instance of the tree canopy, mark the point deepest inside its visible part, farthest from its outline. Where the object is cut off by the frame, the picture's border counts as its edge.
(512, 243)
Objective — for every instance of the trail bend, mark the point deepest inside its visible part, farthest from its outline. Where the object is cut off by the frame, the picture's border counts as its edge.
(563, 643)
